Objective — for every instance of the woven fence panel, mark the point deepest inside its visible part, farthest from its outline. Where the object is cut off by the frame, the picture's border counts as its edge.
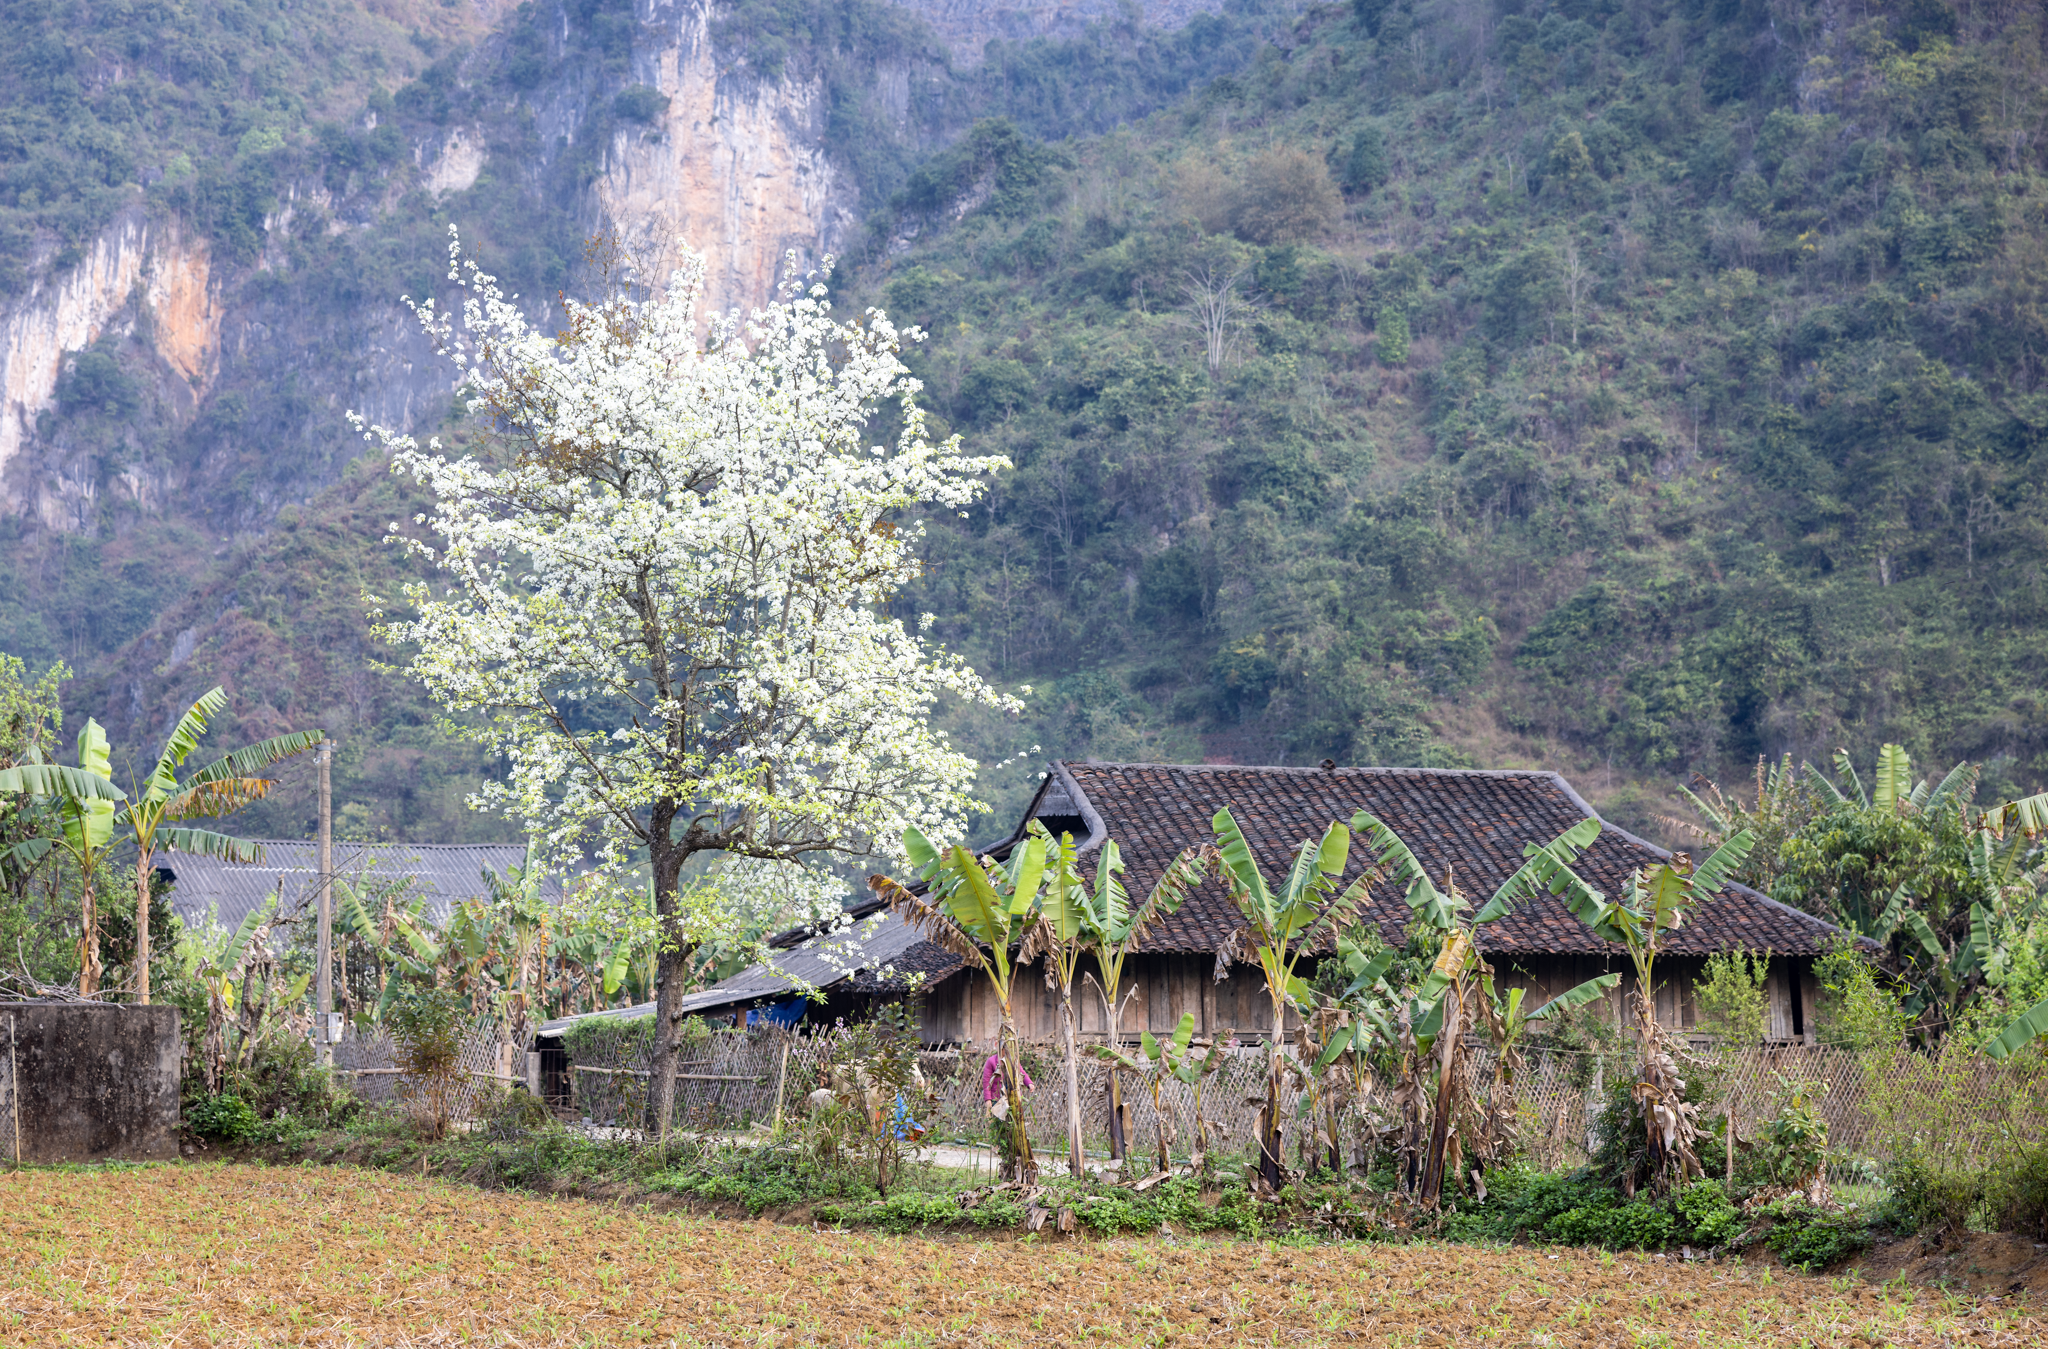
(1869, 1102)
(367, 1062)
(723, 1082)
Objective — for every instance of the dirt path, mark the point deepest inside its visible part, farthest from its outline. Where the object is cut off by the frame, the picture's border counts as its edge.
(239, 1255)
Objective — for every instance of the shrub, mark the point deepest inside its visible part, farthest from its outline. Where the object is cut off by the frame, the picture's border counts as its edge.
(640, 103)
(1959, 1134)
(1809, 1238)
(280, 1077)
(426, 1022)
(2016, 1197)
(1365, 168)
(1926, 1194)
(1795, 1143)
(1638, 1224)
(1107, 1215)
(1578, 1209)
(1285, 196)
(228, 1118)
(513, 1114)
(1392, 347)
(1732, 1004)
(1705, 1214)
(1860, 1007)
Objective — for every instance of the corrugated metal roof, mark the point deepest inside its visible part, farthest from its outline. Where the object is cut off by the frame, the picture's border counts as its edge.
(866, 946)
(446, 873)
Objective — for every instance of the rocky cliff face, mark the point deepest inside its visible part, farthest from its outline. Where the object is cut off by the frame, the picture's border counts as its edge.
(735, 165)
(144, 277)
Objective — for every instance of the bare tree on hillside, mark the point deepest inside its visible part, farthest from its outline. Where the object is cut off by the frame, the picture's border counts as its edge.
(1218, 305)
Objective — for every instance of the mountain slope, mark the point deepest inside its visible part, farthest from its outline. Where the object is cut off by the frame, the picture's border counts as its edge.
(181, 336)
(1664, 391)
(1623, 388)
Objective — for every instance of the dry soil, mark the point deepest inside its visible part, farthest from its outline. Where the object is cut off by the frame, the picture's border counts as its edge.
(200, 1255)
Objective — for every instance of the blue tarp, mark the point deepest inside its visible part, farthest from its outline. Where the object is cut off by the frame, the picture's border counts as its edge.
(784, 1014)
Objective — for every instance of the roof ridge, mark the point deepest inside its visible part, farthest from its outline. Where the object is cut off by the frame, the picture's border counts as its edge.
(360, 843)
(1312, 770)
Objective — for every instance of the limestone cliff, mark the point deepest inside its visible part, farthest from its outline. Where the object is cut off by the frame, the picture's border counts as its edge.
(736, 166)
(142, 275)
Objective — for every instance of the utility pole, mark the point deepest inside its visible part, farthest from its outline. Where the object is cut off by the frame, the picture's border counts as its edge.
(324, 979)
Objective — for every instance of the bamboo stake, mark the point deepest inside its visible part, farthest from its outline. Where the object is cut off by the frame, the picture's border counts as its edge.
(781, 1080)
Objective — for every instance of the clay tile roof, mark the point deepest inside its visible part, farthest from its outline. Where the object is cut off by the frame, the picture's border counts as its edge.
(1473, 822)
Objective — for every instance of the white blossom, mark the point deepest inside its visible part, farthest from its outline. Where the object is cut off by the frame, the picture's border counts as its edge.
(662, 582)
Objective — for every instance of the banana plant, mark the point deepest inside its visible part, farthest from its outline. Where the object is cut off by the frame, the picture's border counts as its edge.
(1101, 920)
(578, 959)
(979, 909)
(1282, 924)
(1069, 928)
(1348, 1019)
(1459, 992)
(1658, 901)
(1118, 926)
(464, 949)
(2025, 1029)
(218, 973)
(85, 799)
(1891, 784)
(524, 920)
(1185, 1061)
(221, 788)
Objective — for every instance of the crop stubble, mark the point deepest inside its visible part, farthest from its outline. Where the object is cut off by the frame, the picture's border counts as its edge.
(238, 1255)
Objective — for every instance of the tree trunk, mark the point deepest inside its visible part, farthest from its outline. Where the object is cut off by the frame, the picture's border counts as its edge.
(1116, 1117)
(1449, 1039)
(1075, 1162)
(89, 943)
(665, 859)
(1119, 1125)
(1336, 1154)
(142, 871)
(1159, 1127)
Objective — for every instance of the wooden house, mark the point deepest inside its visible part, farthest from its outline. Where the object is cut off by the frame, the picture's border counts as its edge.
(1471, 823)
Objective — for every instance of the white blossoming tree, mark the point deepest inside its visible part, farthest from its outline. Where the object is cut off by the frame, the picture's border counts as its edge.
(662, 583)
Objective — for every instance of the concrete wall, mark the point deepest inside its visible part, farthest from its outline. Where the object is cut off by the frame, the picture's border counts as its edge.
(90, 1082)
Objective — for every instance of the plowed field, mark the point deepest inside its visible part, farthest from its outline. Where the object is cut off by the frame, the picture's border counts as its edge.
(233, 1255)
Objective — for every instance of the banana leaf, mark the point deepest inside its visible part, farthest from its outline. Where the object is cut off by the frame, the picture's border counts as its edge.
(1590, 991)
(2028, 1027)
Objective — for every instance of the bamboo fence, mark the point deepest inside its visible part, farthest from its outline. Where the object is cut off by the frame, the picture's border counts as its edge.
(1869, 1102)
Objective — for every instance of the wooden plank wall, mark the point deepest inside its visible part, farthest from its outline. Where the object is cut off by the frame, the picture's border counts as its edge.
(1156, 991)
(1159, 988)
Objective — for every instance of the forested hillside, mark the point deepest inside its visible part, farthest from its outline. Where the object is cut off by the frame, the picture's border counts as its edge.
(1626, 388)
(1632, 389)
